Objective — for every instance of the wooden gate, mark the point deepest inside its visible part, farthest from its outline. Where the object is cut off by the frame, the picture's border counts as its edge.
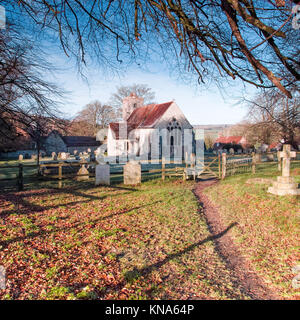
(206, 168)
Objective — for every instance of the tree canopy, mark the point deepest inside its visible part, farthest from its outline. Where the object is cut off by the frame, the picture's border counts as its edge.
(141, 90)
(253, 41)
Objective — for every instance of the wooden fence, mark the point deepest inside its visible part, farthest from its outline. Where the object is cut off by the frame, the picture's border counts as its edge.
(212, 166)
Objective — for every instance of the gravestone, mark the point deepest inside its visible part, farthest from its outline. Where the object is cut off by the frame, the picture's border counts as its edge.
(75, 152)
(33, 157)
(54, 156)
(102, 174)
(82, 173)
(20, 157)
(231, 151)
(270, 156)
(102, 171)
(285, 185)
(63, 156)
(132, 173)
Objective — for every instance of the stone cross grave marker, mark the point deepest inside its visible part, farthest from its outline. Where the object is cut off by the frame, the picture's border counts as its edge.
(285, 185)
(286, 155)
(132, 173)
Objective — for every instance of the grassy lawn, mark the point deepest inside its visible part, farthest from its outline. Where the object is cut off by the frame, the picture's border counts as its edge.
(87, 242)
(268, 230)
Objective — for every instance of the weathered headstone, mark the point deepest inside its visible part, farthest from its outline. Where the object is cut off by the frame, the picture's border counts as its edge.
(54, 156)
(82, 174)
(63, 156)
(33, 157)
(285, 185)
(20, 157)
(270, 156)
(102, 174)
(231, 151)
(132, 173)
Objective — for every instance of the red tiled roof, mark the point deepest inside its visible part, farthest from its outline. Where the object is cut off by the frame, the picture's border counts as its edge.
(143, 117)
(231, 139)
(147, 116)
(274, 145)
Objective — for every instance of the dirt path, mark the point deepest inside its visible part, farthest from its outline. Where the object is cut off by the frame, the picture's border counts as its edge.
(242, 272)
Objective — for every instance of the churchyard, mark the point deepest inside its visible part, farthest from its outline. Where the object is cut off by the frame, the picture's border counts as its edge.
(150, 240)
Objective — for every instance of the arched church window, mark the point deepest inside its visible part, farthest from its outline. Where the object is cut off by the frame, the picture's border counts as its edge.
(174, 124)
(172, 141)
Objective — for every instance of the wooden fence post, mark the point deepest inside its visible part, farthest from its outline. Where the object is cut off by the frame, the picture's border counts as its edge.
(186, 159)
(59, 175)
(193, 160)
(163, 168)
(279, 160)
(20, 178)
(253, 163)
(224, 165)
(219, 164)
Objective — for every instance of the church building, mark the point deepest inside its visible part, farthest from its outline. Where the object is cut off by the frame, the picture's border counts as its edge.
(150, 131)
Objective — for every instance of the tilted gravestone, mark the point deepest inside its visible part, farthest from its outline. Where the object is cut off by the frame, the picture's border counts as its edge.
(132, 173)
(285, 185)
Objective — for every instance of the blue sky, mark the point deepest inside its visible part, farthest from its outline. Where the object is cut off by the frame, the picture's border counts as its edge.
(200, 104)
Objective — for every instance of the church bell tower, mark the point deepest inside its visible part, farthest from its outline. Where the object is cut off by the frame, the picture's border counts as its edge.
(130, 104)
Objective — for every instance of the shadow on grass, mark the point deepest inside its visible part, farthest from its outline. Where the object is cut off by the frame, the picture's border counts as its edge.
(24, 207)
(79, 225)
(136, 273)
